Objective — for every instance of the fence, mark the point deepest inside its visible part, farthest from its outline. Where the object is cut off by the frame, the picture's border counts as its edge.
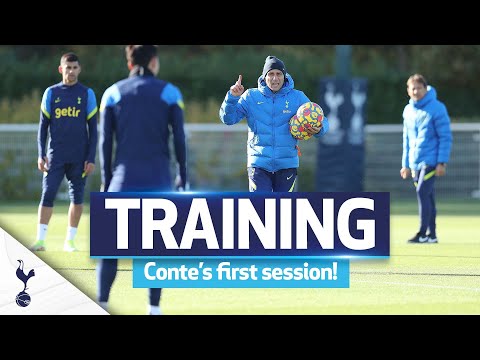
(217, 161)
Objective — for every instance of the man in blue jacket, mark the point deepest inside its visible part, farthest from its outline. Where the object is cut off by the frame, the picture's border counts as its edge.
(137, 114)
(272, 152)
(427, 141)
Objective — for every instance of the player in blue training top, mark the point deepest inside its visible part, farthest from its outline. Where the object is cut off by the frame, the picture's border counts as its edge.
(272, 152)
(69, 113)
(138, 113)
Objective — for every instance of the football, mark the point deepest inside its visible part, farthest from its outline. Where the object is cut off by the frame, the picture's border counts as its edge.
(308, 115)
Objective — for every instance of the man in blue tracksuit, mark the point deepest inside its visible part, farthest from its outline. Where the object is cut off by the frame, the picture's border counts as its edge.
(272, 151)
(427, 141)
(69, 114)
(137, 114)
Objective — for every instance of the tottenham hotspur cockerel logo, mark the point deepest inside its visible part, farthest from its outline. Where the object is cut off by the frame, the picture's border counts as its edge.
(23, 299)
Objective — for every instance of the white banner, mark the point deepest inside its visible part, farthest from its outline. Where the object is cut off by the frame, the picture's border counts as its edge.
(28, 286)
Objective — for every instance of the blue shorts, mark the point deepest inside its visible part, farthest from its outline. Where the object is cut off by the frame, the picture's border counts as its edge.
(280, 181)
(54, 177)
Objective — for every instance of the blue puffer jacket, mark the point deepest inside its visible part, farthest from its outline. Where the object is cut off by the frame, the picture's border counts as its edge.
(427, 137)
(270, 145)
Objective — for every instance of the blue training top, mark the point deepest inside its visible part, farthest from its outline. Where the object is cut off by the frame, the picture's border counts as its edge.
(137, 113)
(70, 113)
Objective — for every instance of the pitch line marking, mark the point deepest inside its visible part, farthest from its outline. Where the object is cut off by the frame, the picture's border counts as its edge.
(419, 285)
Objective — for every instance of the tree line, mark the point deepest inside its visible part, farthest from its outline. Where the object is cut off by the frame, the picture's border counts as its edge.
(204, 73)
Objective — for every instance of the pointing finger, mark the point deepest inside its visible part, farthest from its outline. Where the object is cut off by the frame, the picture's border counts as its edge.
(239, 81)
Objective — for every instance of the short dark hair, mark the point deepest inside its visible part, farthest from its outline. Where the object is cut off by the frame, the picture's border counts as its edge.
(417, 78)
(69, 57)
(140, 54)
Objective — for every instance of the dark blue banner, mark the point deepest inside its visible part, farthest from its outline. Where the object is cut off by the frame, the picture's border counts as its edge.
(239, 224)
(341, 152)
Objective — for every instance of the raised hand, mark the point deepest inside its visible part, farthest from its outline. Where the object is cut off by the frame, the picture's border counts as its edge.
(237, 89)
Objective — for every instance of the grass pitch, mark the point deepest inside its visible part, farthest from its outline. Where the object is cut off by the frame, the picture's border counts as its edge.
(425, 279)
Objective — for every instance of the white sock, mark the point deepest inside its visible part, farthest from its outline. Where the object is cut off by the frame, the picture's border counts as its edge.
(42, 232)
(104, 305)
(154, 310)
(71, 232)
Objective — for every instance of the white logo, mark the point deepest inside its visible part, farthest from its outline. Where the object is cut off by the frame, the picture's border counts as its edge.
(333, 100)
(260, 102)
(289, 177)
(358, 98)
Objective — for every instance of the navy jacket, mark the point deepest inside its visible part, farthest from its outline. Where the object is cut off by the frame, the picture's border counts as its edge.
(136, 115)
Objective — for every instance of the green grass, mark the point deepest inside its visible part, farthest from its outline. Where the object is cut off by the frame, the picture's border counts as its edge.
(441, 278)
